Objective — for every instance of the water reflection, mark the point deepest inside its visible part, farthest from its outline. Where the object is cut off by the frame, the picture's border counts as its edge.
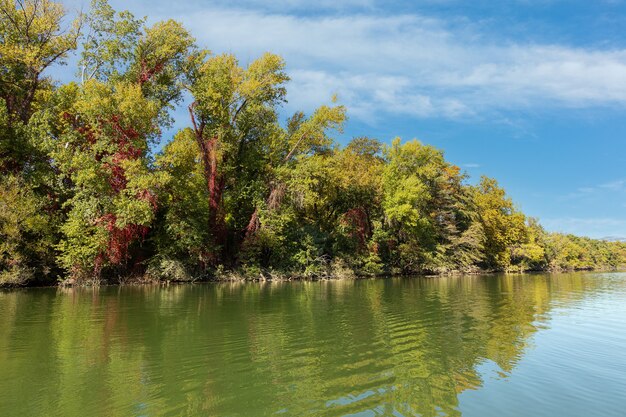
(402, 347)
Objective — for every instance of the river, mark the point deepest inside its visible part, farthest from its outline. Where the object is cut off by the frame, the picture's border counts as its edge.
(493, 345)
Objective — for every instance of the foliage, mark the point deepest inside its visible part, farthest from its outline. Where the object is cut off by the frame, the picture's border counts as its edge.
(83, 197)
(503, 226)
(27, 234)
(103, 136)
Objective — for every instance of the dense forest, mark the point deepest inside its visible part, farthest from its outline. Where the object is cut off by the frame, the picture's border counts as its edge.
(87, 195)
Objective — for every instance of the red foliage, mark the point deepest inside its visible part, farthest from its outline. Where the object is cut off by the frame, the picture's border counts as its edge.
(254, 224)
(147, 195)
(119, 240)
(357, 219)
(147, 73)
(85, 130)
(125, 139)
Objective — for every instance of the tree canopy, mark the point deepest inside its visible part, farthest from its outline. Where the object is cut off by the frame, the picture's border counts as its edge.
(85, 196)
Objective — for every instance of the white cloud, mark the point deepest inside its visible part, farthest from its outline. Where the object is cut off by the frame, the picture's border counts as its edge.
(368, 94)
(403, 64)
(591, 227)
(614, 185)
(595, 191)
(586, 190)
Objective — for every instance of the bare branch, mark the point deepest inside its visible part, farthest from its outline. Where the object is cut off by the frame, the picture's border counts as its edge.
(293, 150)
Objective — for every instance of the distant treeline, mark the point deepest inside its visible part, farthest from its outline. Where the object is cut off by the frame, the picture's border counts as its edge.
(83, 197)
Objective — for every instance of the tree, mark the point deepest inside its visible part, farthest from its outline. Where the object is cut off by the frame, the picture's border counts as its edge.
(101, 145)
(31, 40)
(297, 158)
(183, 242)
(84, 196)
(426, 209)
(503, 225)
(242, 146)
(233, 114)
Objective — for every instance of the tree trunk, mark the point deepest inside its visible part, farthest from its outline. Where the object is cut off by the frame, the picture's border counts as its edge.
(214, 181)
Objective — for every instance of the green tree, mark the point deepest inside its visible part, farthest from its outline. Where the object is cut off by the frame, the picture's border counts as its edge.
(102, 142)
(285, 223)
(233, 115)
(32, 39)
(183, 241)
(503, 225)
(427, 210)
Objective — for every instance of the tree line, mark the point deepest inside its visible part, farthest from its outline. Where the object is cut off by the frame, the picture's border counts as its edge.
(85, 198)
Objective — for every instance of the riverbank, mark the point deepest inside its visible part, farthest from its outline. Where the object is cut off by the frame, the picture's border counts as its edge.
(274, 276)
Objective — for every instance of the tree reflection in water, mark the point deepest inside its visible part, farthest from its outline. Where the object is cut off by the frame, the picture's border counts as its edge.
(400, 347)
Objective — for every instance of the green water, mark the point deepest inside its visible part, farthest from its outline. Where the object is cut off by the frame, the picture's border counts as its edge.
(533, 345)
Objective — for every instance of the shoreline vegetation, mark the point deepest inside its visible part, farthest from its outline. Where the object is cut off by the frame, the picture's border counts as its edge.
(94, 190)
(237, 277)
(278, 277)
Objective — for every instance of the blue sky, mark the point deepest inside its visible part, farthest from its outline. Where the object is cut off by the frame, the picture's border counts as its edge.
(532, 93)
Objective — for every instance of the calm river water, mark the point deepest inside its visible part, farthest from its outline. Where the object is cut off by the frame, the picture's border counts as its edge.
(516, 345)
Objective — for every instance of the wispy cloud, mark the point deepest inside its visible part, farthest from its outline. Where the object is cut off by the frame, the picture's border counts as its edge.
(614, 185)
(414, 65)
(595, 191)
(401, 64)
(592, 227)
